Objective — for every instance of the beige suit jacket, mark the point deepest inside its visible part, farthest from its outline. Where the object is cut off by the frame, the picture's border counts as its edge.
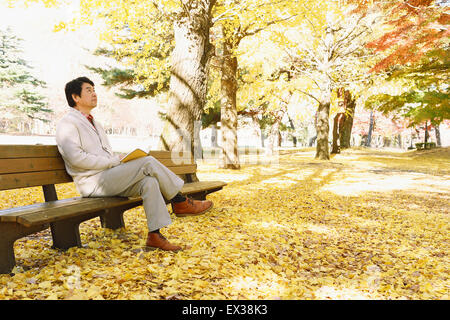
(86, 150)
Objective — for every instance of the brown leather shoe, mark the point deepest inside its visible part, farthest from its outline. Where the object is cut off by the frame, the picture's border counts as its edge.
(191, 207)
(156, 240)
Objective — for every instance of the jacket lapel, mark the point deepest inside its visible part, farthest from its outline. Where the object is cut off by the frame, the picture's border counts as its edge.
(102, 136)
(83, 120)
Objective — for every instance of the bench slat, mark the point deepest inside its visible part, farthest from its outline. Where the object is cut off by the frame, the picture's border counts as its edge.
(176, 162)
(27, 151)
(43, 213)
(200, 186)
(30, 164)
(33, 179)
(57, 214)
(22, 165)
(12, 214)
(184, 169)
(159, 154)
(45, 151)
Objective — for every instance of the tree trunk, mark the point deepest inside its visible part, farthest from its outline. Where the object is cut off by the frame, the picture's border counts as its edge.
(337, 129)
(294, 138)
(274, 141)
(188, 82)
(369, 135)
(214, 136)
(229, 118)
(258, 130)
(438, 135)
(322, 129)
(346, 132)
(323, 112)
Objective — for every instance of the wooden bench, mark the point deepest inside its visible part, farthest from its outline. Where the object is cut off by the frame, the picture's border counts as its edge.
(423, 146)
(23, 166)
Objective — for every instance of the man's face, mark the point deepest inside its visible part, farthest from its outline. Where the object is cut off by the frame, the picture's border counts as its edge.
(88, 97)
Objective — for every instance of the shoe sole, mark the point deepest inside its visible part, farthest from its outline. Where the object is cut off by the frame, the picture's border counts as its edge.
(148, 248)
(194, 214)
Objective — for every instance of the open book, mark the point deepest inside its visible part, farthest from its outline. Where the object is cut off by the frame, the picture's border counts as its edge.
(135, 154)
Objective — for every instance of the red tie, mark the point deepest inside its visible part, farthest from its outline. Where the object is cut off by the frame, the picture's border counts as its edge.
(91, 119)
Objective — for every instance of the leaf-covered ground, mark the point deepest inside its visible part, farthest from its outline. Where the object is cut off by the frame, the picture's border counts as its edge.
(365, 225)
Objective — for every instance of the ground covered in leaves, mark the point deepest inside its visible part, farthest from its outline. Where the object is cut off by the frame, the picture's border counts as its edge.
(365, 225)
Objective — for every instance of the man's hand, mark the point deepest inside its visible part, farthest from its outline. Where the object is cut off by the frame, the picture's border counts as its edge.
(121, 155)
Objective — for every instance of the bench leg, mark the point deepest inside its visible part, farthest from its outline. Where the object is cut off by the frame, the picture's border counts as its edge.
(113, 218)
(7, 259)
(202, 194)
(66, 234)
(9, 233)
(198, 195)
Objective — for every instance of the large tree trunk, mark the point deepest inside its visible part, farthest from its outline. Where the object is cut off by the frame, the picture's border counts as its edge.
(346, 132)
(322, 129)
(188, 83)
(322, 122)
(323, 112)
(337, 131)
(229, 117)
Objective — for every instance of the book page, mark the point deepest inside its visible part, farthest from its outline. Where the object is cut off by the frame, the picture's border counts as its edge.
(135, 154)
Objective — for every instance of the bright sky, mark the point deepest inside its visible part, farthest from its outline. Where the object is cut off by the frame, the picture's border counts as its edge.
(55, 57)
(58, 57)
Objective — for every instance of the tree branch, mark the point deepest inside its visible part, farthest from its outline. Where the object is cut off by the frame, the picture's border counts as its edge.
(309, 95)
(245, 33)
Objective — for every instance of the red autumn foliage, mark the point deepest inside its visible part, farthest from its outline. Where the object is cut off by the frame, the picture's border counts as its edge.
(418, 26)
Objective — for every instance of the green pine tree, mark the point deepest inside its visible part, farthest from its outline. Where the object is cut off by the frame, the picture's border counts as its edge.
(127, 80)
(19, 89)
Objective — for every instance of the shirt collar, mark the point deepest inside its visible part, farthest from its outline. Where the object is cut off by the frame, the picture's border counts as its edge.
(89, 117)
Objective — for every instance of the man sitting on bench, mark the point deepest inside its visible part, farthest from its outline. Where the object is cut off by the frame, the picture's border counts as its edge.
(97, 172)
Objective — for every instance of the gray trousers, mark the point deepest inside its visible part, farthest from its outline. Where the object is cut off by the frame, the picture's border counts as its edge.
(145, 177)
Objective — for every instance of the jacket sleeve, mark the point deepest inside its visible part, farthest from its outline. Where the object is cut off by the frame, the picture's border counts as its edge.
(69, 144)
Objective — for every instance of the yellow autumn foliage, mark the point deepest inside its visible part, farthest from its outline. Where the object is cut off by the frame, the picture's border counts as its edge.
(365, 225)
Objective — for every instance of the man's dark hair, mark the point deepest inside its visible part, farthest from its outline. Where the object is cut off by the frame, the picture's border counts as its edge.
(74, 87)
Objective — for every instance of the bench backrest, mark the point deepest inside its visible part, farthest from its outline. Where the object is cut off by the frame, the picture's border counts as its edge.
(24, 166)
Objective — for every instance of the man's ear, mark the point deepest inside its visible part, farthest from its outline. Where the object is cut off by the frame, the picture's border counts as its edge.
(75, 97)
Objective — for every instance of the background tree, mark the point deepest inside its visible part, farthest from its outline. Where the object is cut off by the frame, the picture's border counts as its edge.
(325, 53)
(130, 82)
(349, 104)
(234, 22)
(413, 27)
(424, 92)
(19, 94)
